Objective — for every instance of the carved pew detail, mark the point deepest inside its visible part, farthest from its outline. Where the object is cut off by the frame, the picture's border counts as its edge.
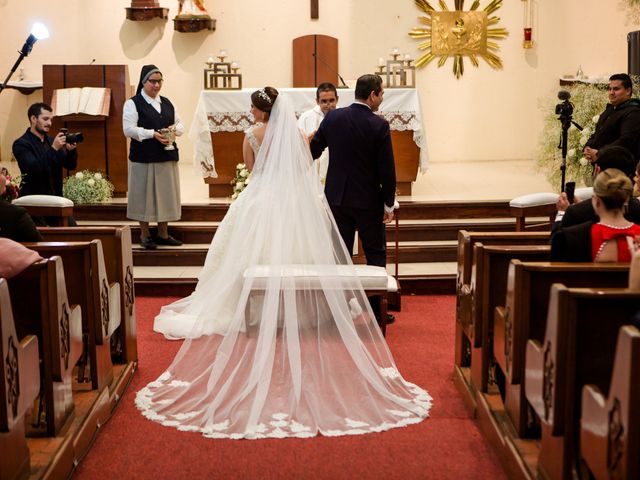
(40, 307)
(19, 386)
(578, 348)
(610, 425)
(524, 317)
(116, 245)
(87, 285)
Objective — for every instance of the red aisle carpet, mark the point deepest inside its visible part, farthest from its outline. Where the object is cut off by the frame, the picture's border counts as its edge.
(448, 445)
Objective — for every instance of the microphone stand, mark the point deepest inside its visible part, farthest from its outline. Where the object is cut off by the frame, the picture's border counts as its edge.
(26, 49)
(344, 84)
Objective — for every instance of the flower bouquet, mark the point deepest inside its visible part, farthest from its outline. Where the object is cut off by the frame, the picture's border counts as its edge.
(12, 190)
(87, 187)
(241, 180)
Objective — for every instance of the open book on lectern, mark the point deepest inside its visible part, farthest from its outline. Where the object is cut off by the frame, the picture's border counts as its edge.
(86, 100)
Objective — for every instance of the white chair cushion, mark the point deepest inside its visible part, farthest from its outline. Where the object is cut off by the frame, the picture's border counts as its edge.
(584, 193)
(534, 199)
(43, 201)
(308, 276)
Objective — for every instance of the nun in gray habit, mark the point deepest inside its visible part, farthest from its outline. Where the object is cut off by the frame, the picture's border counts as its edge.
(154, 182)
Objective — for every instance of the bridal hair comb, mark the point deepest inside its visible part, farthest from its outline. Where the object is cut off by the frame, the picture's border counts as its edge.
(263, 95)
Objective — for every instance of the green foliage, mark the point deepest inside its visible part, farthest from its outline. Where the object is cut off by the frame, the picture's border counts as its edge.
(589, 101)
(87, 187)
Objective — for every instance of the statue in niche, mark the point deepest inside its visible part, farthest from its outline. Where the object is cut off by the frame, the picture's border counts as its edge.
(190, 8)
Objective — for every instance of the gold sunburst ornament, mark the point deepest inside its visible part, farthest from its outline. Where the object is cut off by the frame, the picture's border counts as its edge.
(459, 33)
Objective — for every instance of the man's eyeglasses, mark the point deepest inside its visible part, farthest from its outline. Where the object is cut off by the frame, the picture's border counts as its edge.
(155, 82)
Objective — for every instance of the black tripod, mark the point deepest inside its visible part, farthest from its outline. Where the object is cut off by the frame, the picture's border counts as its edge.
(564, 111)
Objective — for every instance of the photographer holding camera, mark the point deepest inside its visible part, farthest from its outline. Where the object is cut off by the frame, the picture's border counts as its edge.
(41, 158)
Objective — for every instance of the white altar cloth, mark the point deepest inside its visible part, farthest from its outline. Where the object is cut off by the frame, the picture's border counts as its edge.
(228, 111)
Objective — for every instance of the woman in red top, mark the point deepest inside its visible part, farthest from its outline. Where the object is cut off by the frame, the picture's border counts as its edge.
(612, 190)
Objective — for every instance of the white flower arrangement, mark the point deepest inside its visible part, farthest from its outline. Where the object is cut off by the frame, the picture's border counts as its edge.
(87, 187)
(241, 180)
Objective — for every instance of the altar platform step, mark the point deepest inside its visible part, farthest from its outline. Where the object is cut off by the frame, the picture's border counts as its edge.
(427, 235)
(195, 254)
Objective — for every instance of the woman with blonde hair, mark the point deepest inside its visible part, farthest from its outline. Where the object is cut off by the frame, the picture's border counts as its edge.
(605, 240)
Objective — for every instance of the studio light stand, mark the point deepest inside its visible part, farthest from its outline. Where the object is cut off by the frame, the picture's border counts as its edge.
(38, 32)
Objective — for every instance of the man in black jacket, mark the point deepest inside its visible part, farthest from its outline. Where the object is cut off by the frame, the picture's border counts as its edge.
(15, 222)
(619, 124)
(41, 158)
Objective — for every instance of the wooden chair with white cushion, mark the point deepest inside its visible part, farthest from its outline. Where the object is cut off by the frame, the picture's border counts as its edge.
(47, 206)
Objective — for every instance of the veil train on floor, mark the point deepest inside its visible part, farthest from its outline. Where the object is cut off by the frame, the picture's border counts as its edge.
(292, 349)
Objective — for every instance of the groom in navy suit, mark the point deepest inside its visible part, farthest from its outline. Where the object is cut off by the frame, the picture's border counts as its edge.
(361, 178)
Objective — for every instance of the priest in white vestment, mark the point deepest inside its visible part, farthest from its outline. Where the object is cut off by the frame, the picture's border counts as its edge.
(309, 121)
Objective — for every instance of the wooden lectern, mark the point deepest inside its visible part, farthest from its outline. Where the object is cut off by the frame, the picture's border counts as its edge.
(315, 60)
(105, 147)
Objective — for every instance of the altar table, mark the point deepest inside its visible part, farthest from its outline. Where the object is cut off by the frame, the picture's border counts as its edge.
(222, 116)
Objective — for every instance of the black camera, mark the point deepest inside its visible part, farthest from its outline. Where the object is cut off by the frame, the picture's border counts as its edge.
(564, 109)
(72, 138)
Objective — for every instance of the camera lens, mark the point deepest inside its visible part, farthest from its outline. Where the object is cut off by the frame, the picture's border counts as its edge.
(77, 137)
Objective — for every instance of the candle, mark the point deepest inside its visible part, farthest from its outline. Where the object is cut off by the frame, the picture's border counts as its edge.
(407, 56)
(381, 62)
(223, 53)
(210, 59)
(396, 51)
(234, 65)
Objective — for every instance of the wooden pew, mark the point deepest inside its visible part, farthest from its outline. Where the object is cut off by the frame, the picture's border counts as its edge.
(464, 288)
(40, 307)
(578, 348)
(19, 387)
(489, 288)
(524, 316)
(610, 425)
(118, 258)
(87, 285)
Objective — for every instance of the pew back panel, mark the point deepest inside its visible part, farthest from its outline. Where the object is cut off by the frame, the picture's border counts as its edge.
(610, 426)
(19, 387)
(524, 316)
(489, 286)
(87, 285)
(578, 349)
(40, 307)
(118, 257)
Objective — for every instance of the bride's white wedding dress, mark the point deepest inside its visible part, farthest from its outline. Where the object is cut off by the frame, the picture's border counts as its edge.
(295, 350)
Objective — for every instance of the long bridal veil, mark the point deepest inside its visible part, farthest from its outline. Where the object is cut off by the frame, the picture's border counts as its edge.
(280, 338)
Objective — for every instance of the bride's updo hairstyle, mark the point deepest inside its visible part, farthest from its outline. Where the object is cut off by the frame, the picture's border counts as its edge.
(264, 99)
(613, 187)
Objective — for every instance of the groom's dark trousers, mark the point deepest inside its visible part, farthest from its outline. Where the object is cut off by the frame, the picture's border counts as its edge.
(361, 177)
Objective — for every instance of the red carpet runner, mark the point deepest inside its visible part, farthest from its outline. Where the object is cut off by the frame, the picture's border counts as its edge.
(447, 445)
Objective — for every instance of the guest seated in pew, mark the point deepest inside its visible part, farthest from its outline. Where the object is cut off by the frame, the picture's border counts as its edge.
(606, 240)
(14, 258)
(15, 222)
(582, 210)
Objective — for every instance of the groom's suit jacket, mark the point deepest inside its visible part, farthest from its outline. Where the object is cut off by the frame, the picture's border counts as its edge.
(361, 171)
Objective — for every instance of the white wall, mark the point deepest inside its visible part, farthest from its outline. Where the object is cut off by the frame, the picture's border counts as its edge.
(486, 115)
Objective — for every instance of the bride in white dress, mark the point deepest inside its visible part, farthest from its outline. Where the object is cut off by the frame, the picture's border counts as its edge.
(293, 349)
